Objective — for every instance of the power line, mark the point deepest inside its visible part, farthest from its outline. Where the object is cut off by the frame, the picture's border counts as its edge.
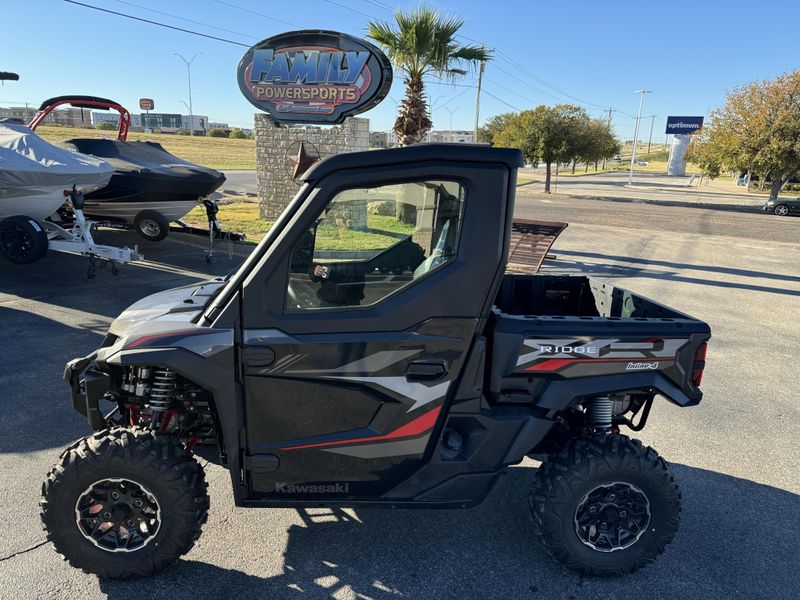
(447, 83)
(158, 12)
(511, 106)
(532, 75)
(458, 95)
(380, 4)
(350, 8)
(545, 82)
(540, 90)
(253, 12)
(159, 24)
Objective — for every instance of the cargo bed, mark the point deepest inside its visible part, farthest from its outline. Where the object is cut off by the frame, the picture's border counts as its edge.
(555, 327)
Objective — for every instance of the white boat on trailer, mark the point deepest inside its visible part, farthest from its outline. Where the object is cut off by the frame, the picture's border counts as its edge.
(36, 179)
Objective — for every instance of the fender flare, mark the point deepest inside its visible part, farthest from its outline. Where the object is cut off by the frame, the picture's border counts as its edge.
(209, 374)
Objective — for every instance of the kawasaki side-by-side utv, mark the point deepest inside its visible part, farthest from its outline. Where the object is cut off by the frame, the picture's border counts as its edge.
(372, 351)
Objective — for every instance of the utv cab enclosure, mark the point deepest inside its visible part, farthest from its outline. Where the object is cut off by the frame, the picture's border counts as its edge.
(373, 351)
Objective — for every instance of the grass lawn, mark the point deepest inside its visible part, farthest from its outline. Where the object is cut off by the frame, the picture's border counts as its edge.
(656, 166)
(241, 215)
(217, 153)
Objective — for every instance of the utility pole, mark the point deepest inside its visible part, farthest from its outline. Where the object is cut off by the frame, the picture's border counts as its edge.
(189, 73)
(650, 139)
(636, 132)
(610, 111)
(478, 99)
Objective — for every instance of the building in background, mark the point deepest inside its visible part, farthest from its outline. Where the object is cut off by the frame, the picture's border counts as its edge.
(105, 117)
(218, 125)
(155, 122)
(23, 113)
(452, 137)
(71, 117)
(199, 123)
(378, 139)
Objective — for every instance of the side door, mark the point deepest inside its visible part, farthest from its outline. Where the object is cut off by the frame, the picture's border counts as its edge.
(357, 321)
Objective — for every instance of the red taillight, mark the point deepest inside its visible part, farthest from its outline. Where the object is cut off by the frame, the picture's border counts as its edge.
(699, 364)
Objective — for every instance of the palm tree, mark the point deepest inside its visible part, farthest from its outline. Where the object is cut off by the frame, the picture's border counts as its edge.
(423, 42)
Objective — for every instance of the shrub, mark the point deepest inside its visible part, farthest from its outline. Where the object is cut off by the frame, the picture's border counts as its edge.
(238, 134)
(222, 133)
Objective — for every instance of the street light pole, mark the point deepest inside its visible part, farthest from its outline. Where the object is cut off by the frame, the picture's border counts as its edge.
(636, 132)
(189, 73)
(451, 111)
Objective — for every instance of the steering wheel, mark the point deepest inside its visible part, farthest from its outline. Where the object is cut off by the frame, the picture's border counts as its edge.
(298, 299)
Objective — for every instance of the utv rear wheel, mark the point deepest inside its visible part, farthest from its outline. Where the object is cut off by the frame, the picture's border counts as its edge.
(124, 503)
(605, 505)
(151, 225)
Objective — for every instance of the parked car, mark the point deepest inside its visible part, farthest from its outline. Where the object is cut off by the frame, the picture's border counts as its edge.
(783, 207)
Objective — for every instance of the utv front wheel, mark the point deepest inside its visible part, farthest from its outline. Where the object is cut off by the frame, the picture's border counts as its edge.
(605, 505)
(124, 503)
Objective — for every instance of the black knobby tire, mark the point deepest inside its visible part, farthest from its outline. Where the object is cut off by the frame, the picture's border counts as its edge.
(159, 464)
(561, 486)
(22, 240)
(151, 225)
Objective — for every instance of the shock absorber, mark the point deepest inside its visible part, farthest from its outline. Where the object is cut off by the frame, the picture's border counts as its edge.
(599, 412)
(162, 393)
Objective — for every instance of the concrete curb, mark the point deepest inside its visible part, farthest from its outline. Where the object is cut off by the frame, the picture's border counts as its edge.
(655, 202)
(705, 205)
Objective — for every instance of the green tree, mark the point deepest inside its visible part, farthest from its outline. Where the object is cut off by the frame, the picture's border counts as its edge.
(547, 134)
(238, 134)
(106, 126)
(218, 133)
(422, 41)
(598, 142)
(493, 126)
(757, 130)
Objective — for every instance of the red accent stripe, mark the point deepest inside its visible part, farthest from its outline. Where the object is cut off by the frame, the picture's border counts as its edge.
(415, 427)
(147, 338)
(554, 364)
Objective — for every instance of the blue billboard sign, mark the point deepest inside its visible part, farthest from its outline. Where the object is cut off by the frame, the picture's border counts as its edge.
(683, 125)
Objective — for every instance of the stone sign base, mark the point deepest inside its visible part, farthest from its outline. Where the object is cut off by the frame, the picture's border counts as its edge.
(276, 188)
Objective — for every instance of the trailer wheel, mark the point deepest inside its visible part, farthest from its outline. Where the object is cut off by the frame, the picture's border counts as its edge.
(124, 503)
(151, 225)
(605, 505)
(22, 240)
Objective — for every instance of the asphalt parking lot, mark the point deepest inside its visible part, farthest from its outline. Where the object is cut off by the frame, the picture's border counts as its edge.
(735, 455)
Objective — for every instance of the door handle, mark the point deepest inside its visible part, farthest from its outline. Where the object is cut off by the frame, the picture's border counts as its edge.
(256, 356)
(426, 370)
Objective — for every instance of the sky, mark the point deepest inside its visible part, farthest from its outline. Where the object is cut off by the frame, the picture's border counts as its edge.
(596, 54)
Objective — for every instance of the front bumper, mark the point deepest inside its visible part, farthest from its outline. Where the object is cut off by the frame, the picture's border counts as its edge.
(87, 386)
(768, 207)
